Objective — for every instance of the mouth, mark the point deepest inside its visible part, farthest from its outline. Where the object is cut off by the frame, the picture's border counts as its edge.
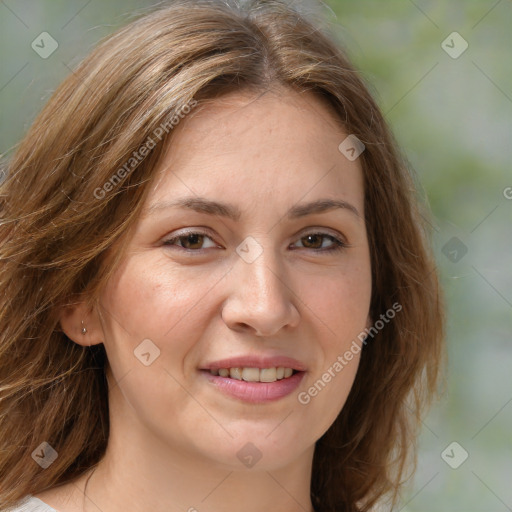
(255, 379)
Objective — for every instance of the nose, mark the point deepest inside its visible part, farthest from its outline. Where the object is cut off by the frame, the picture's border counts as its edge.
(261, 297)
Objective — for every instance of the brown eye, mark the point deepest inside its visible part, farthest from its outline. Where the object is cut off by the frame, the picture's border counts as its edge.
(315, 242)
(191, 241)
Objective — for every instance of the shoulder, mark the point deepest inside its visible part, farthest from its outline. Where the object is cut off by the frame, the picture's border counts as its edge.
(32, 504)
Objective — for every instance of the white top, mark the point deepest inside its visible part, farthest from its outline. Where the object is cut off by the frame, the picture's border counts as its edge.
(32, 504)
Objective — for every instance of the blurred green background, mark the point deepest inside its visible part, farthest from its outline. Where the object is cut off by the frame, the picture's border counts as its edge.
(452, 116)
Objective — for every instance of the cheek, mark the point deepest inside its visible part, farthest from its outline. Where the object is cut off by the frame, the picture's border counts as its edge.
(324, 395)
(144, 301)
(340, 309)
(341, 300)
(147, 309)
(150, 300)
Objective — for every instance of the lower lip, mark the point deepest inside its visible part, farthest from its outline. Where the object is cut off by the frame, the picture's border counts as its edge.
(255, 392)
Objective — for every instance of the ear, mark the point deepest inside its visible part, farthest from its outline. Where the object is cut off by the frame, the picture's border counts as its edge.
(73, 319)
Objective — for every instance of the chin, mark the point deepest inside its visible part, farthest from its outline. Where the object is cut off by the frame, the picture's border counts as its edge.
(253, 448)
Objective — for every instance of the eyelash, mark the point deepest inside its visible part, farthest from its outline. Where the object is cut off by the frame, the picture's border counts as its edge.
(338, 245)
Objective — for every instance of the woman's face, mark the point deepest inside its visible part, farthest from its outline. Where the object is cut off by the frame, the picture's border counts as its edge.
(248, 276)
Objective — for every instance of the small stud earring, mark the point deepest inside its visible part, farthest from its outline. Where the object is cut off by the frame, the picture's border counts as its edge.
(84, 330)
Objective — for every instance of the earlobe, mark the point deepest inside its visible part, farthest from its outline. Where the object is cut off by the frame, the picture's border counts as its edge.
(81, 325)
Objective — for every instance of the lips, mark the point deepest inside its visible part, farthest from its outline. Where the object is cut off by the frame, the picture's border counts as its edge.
(255, 379)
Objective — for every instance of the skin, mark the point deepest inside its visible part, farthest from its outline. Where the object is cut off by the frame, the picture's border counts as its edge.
(174, 437)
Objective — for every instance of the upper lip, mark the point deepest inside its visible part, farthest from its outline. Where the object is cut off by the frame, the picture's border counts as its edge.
(256, 362)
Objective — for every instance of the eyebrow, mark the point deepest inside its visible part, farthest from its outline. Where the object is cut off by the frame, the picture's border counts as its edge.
(202, 205)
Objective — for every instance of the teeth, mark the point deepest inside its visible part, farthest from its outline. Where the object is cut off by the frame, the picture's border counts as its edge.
(255, 374)
(268, 375)
(251, 374)
(235, 373)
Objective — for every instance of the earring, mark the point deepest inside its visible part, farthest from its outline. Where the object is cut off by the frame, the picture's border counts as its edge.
(84, 330)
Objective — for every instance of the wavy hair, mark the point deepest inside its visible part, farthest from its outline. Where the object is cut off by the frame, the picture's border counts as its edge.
(55, 236)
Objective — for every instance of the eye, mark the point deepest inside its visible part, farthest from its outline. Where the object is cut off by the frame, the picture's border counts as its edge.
(192, 241)
(315, 241)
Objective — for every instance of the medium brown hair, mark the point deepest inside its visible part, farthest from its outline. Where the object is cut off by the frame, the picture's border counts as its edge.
(55, 235)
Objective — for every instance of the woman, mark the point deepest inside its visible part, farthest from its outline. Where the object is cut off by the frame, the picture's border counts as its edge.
(216, 287)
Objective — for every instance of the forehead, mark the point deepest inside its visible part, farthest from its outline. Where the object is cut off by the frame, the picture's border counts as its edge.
(258, 148)
(284, 116)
